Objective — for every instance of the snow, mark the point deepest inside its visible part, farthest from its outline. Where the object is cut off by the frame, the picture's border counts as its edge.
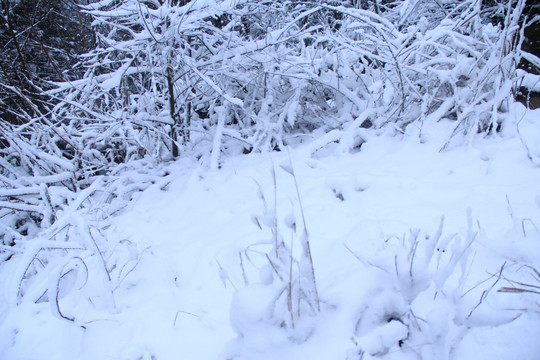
(410, 246)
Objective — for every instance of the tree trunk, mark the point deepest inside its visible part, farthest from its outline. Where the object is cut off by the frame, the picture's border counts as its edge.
(172, 112)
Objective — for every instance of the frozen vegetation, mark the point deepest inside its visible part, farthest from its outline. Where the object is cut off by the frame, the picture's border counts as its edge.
(248, 180)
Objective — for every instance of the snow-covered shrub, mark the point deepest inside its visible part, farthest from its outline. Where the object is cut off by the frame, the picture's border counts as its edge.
(285, 300)
(36, 179)
(226, 76)
(163, 72)
(60, 251)
(421, 62)
(425, 304)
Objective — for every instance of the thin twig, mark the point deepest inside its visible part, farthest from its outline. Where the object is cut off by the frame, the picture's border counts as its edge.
(485, 293)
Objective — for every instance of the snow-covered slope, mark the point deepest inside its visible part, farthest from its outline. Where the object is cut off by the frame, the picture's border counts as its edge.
(410, 246)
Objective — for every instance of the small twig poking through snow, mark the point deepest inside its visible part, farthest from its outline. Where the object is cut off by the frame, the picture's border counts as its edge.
(523, 287)
(485, 293)
(85, 232)
(523, 221)
(183, 312)
(122, 276)
(305, 240)
(224, 276)
(290, 284)
(414, 241)
(516, 290)
(522, 140)
(53, 290)
(275, 224)
(244, 276)
(519, 222)
(275, 268)
(364, 261)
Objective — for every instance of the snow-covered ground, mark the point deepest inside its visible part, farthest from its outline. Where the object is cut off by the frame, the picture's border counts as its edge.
(411, 248)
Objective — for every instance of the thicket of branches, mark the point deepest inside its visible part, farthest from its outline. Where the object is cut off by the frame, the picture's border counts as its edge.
(150, 80)
(41, 42)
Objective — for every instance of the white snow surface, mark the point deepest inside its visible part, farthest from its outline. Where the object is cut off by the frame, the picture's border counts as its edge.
(185, 294)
